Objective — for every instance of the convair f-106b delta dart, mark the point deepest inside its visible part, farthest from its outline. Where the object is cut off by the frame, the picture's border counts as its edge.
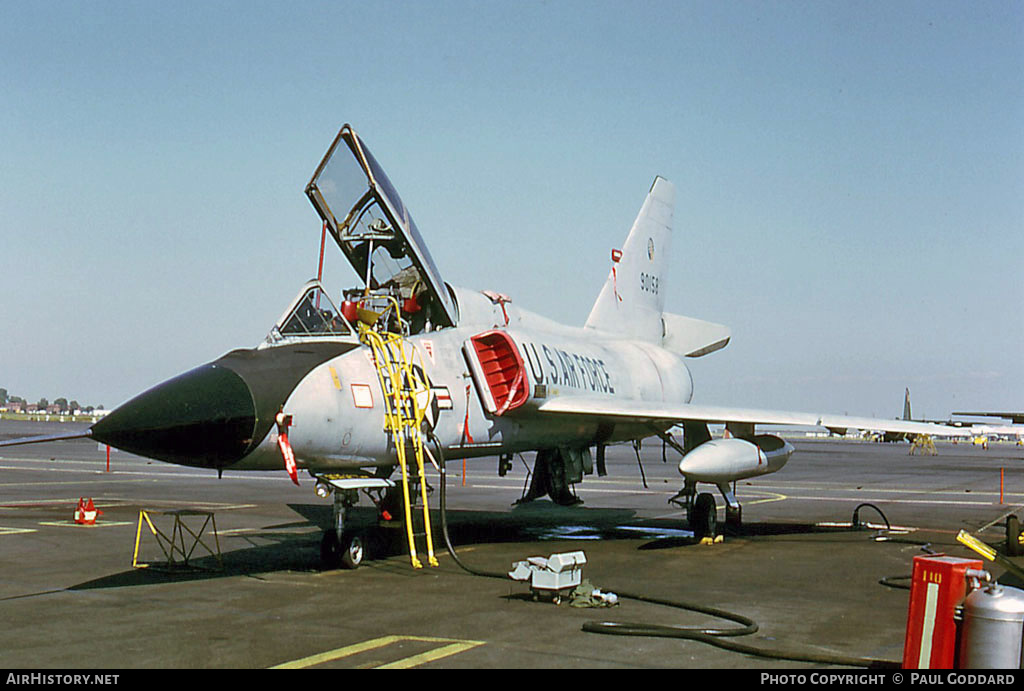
(406, 370)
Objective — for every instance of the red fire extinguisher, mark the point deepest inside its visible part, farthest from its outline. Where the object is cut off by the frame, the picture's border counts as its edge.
(939, 585)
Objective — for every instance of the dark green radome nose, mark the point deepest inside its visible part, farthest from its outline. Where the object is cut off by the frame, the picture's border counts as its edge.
(205, 417)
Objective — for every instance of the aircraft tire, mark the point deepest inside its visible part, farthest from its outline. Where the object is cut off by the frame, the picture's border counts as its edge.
(1013, 546)
(353, 550)
(330, 550)
(704, 516)
(560, 492)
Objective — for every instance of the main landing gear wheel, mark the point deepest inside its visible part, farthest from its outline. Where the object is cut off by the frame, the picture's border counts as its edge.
(704, 516)
(347, 552)
(1013, 546)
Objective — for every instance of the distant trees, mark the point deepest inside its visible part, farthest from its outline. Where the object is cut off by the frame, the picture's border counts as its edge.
(62, 403)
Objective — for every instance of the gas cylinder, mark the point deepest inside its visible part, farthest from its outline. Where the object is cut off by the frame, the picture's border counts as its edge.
(993, 621)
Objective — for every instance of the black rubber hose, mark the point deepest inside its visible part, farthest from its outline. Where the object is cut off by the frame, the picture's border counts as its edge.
(896, 581)
(621, 628)
(716, 638)
(856, 518)
(720, 640)
(719, 637)
(711, 636)
(441, 462)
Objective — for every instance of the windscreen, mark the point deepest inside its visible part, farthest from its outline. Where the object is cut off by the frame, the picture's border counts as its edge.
(314, 315)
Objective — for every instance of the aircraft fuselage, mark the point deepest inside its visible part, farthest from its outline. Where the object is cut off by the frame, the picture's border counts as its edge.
(337, 409)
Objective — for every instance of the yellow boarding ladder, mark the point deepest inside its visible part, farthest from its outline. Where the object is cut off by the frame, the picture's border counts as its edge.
(406, 392)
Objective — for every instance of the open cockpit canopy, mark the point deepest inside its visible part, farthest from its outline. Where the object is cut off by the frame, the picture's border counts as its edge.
(371, 225)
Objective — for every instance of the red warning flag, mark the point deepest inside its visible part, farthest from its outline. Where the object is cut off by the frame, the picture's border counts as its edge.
(289, 456)
(283, 423)
(616, 258)
(465, 423)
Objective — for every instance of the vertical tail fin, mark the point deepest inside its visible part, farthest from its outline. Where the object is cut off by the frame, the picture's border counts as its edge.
(906, 406)
(631, 302)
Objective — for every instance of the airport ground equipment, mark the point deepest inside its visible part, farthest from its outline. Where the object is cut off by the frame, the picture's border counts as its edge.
(555, 577)
(989, 552)
(924, 444)
(993, 626)
(938, 586)
(173, 546)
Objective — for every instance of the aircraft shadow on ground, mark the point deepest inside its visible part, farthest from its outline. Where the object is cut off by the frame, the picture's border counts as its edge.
(280, 551)
(762, 530)
(287, 547)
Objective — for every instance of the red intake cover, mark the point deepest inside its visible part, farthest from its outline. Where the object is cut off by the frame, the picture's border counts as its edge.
(503, 369)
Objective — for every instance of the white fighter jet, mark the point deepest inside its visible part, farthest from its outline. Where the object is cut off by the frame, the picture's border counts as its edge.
(406, 368)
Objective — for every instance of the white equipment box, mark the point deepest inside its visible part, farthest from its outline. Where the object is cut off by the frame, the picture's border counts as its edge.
(556, 575)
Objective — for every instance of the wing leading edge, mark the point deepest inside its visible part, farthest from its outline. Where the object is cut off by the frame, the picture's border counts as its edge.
(644, 411)
(20, 441)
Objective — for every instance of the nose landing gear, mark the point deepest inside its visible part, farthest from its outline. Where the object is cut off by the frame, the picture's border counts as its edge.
(346, 551)
(345, 546)
(341, 547)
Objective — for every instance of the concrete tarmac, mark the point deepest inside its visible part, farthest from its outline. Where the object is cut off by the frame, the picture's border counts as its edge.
(71, 599)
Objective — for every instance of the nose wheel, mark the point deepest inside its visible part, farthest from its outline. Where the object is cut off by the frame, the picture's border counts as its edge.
(343, 547)
(346, 551)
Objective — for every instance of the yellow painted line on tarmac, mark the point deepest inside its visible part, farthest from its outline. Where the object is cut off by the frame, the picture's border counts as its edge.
(211, 505)
(50, 483)
(880, 490)
(773, 496)
(453, 647)
(37, 502)
(97, 524)
(16, 531)
(121, 501)
(579, 490)
(940, 502)
(430, 656)
(258, 532)
(239, 531)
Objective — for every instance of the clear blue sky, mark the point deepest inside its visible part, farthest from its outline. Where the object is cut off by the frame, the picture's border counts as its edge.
(849, 175)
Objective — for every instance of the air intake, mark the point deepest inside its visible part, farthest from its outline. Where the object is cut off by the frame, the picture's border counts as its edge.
(498, 371)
